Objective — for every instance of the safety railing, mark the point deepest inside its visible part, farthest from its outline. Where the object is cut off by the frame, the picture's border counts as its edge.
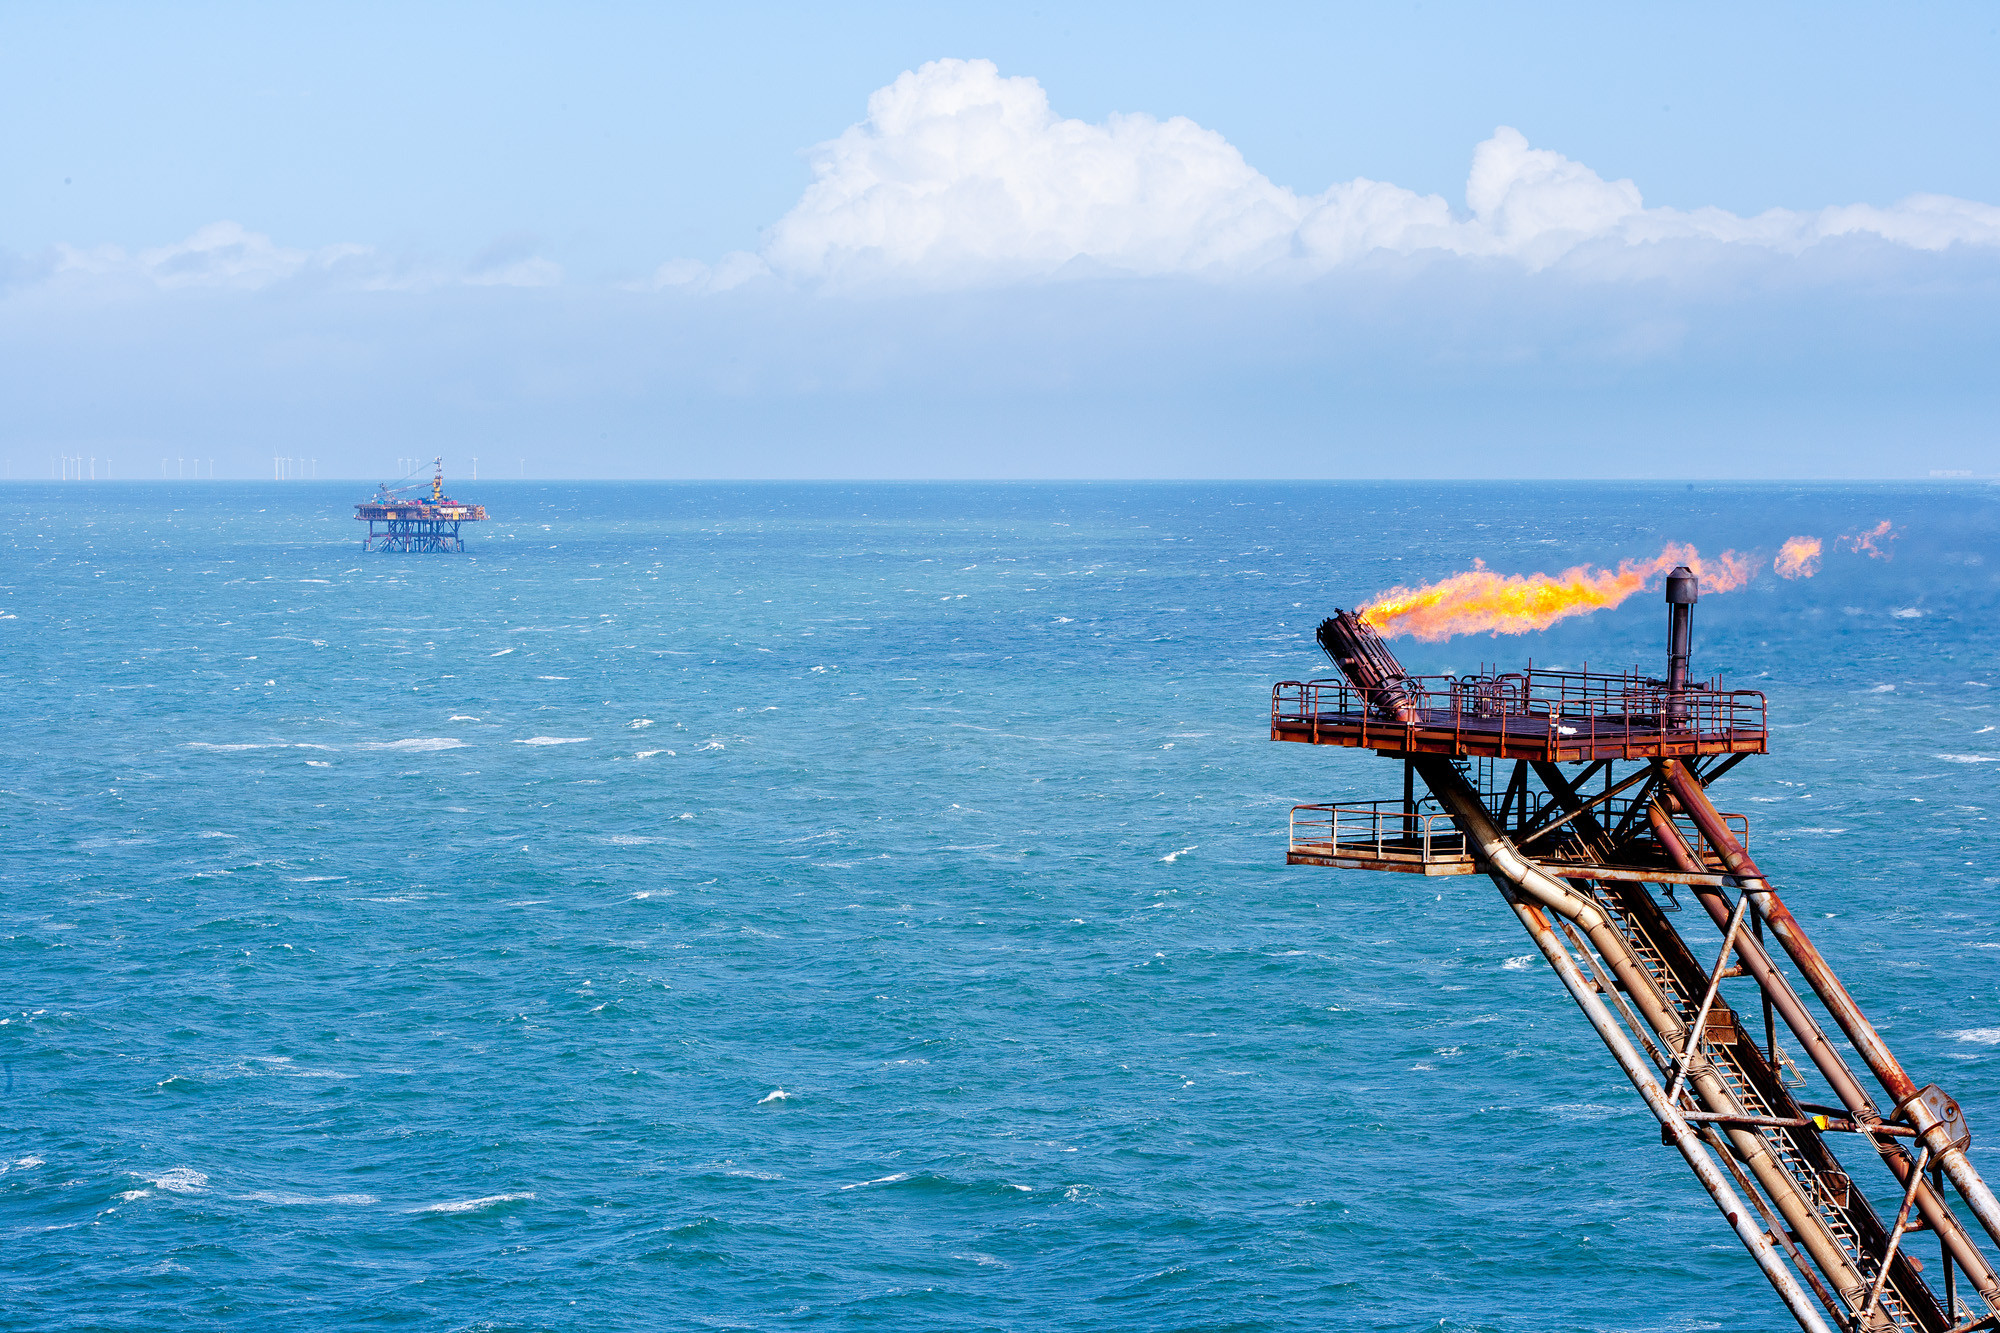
(1553, 708)
(1378, 830)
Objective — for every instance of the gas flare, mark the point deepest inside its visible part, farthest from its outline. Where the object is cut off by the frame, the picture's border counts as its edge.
(1798, 558)
(1864, 543)
(1481, 601)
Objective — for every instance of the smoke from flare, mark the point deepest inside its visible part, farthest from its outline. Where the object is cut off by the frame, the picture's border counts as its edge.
(1863, 543)
(1481, 601)
(1798, 558)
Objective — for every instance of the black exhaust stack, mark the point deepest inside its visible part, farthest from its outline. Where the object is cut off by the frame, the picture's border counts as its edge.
(1683, 591)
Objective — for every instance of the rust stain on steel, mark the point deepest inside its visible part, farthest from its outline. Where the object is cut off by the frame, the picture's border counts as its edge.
(1693, 798)
(1481, 744)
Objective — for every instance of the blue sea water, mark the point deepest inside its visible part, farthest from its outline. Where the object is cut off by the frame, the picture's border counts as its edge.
(834, 906)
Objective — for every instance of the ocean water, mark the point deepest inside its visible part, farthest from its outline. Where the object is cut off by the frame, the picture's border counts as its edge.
(835, 906)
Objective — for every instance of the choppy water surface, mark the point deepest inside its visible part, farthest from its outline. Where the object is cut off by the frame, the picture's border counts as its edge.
(864, 907)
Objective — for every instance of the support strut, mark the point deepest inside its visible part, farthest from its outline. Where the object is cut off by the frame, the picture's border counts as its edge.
(1937, 1118)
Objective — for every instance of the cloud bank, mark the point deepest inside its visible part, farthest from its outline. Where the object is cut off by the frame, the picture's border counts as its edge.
(973, 286)
(960, 174)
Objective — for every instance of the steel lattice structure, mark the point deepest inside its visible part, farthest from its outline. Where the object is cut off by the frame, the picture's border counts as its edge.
(1574, 793)
(416, 524)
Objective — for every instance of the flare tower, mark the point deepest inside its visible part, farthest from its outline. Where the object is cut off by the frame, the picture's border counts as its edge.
(1579, 795)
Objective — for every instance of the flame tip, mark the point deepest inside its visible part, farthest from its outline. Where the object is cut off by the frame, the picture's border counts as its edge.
(1479, 600)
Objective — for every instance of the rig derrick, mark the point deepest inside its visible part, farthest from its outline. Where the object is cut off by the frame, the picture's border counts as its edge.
(416, 523)
(1502, 777)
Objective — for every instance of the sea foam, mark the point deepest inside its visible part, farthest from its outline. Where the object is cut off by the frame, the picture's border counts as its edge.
(471, 1205)
(414, 743)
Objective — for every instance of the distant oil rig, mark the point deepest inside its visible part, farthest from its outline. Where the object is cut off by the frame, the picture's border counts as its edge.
(415, 523)
(1574, 863)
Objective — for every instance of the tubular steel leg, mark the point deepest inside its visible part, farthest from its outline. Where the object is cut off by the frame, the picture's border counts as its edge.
(1698, 1028)
(1606, 986)
(1895, 1238)
(1944, 1260)
(1661, 1014)
(1778, 993)
(1774, 1226)
(1902, 1090)
(1684, 1137)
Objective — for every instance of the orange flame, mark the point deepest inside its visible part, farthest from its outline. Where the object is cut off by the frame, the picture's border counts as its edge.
(1863, 543)
(1799, 558)
(1481, 601)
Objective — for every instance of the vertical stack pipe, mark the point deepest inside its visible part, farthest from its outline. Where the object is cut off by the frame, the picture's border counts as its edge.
(1683, 591)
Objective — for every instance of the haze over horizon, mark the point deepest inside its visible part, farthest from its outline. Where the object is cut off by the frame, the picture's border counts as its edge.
(1106, 251)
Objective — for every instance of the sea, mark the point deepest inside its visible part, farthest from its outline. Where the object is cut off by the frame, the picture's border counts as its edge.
(852, 906)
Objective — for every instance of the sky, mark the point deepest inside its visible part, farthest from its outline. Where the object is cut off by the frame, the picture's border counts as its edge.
(929, 241)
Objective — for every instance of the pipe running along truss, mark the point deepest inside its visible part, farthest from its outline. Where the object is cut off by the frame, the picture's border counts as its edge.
(1575, 794)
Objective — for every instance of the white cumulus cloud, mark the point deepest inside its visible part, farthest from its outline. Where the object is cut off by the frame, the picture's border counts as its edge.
(962, 175)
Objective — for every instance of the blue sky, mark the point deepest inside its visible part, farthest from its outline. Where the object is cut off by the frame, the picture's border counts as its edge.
(642, 241)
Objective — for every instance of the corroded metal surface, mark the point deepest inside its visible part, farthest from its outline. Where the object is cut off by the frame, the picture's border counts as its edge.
(1551, 716)
(1573, 851)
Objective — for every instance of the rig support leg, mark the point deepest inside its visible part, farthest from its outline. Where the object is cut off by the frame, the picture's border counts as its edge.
(1506, 864)
(1778, 993)
(1741, 1219)
(1945, 1140)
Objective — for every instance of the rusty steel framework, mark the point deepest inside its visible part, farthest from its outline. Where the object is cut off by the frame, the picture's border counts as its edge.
(416, 524)
(1574, 852)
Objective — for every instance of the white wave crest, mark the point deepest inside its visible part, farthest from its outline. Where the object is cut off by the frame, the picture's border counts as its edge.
(1984, 1036)
(552, 740)
(471, 1205)
(776, 1095)
(1970, 758)
(180, 1180)
(414, 743)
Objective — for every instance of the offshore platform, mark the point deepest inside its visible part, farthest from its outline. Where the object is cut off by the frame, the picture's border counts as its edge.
(415, 523)
(1574, 792)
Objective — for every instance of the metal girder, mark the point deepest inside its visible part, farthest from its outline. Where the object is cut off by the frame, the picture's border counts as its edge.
(1583, 897)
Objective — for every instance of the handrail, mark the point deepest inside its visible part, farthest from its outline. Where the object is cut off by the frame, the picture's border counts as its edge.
(1383, 828)
(1565, 707)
